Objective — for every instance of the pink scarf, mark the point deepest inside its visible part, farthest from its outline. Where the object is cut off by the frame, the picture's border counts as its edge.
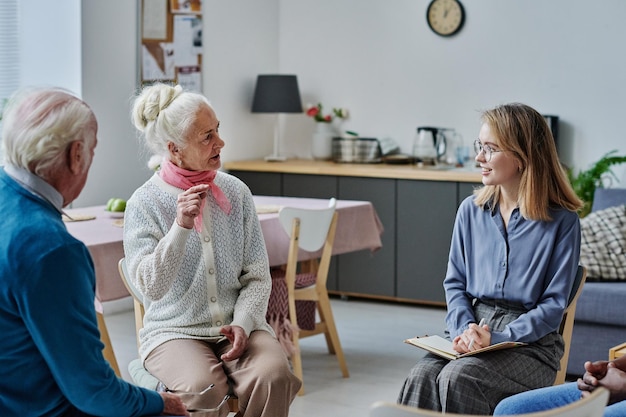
(182, 178)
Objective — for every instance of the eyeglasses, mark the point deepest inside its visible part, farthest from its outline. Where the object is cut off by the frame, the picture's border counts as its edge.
(479, 147)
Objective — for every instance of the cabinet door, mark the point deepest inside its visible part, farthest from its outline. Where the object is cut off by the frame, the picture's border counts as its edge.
(466, 189)
(365, 272)
(261, 183)
(425, 218)
(311, 186)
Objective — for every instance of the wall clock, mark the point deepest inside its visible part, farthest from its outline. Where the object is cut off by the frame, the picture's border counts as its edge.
(445, 17)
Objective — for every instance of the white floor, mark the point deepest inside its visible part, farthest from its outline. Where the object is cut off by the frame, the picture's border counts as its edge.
(371, 334)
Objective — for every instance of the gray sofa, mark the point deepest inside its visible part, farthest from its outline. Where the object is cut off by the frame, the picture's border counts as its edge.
(600, 320)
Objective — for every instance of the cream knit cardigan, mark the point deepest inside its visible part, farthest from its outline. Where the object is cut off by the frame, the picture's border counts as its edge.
(195, 283)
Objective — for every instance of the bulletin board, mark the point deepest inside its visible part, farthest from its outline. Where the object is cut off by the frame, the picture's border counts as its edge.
(171, 42)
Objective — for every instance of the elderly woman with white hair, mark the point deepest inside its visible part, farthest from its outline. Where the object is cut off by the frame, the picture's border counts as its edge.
(194, 249)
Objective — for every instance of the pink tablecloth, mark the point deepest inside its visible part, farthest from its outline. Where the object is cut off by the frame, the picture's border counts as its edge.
(358, 228)
(103, 237)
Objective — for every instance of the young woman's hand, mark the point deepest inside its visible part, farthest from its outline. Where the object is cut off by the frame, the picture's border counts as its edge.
(472, 339)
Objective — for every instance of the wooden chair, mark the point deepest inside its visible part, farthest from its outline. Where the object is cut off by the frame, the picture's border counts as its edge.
(591, 406)
(311, 230)
(107, 351)
(567, 322)
(140, 375)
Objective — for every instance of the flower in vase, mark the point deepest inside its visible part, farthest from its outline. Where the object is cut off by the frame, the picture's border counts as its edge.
(315, 111)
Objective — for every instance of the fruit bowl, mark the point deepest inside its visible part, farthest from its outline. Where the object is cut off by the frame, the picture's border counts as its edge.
(115, 214)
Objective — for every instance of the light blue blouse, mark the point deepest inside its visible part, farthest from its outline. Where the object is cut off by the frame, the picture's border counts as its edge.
(531, 264)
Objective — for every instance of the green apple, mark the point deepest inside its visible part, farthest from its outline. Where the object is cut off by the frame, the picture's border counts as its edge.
(116, 204)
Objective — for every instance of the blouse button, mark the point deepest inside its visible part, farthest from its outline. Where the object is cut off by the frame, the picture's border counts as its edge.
(207, 239)
(211, 271)
(213, 299)
(218, 323)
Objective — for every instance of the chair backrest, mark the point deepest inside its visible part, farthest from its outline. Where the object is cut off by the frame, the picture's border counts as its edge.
(590, 406)
(314, 224)
(138, 301)
(567, 322)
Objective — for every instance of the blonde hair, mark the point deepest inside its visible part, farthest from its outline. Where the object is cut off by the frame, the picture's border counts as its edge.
(523, 132)
(164, 113)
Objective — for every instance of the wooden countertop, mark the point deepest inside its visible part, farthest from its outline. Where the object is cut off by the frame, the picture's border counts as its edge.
(312, 167)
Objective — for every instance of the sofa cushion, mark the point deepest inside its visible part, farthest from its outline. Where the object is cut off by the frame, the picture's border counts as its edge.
(602, 303)
(603, 244)
(608, 197)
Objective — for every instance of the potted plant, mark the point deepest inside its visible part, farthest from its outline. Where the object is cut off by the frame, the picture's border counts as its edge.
(586, 182)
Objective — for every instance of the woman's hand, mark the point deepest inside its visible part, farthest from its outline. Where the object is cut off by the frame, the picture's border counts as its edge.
(173, 405)
(481, 337)
(237, 338)
(189, 205)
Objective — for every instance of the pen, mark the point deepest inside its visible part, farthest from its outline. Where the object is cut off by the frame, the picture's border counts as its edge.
(481, 324)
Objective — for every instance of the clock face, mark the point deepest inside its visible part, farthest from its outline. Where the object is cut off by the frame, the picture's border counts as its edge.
(445, 17)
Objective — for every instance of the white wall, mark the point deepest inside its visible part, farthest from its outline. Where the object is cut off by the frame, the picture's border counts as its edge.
(50, 36)
(378, 58)
(109, 66)
(240, 41)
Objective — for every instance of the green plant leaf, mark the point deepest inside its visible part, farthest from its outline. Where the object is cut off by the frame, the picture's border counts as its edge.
(585, 182)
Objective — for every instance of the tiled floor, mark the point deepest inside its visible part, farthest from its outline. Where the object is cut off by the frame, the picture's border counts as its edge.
(371, 334)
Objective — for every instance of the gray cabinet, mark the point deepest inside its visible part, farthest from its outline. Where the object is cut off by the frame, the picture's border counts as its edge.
(261, 183)
(367, 272)
(417, 216)
(425, 218)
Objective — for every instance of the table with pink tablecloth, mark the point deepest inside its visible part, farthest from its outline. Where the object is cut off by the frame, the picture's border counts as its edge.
(358, 228)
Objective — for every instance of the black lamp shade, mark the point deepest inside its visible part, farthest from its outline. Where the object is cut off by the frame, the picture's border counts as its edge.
(276, 94)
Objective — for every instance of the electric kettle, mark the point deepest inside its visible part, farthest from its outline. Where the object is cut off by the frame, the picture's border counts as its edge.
(429, 144)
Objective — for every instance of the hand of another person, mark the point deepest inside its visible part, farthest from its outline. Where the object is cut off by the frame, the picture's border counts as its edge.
(614, 379)
(189, 204)
(615, 382)
(480, 335)
(173, 405)
(238, 339)
(594, 371)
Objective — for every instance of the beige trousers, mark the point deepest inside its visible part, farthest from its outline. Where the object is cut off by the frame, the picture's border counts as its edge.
(261, 378)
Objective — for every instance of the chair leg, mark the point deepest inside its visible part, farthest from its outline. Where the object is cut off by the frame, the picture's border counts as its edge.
(326, 314)
(107, 351)
(233, 406)
(296, 362)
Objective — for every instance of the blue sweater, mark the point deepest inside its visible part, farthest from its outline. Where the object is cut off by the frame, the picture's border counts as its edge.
(50, 349)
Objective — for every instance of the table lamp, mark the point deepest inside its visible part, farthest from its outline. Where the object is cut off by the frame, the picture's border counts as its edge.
(276, 94)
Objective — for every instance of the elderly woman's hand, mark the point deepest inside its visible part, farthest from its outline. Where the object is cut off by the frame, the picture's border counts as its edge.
(189, 205)
(237, 338)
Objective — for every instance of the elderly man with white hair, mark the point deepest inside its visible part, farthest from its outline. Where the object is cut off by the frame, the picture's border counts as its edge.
(51, 361)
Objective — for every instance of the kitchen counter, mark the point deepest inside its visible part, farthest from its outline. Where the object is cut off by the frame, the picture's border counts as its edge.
(312, 167)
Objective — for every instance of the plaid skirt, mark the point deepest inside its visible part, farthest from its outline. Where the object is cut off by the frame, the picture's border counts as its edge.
(476, 384)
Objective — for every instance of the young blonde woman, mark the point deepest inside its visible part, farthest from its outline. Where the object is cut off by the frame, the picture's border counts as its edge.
(513, 259)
